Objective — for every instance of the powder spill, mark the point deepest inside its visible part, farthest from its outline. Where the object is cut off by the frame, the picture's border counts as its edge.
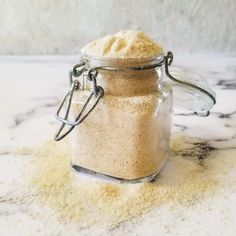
(87, 201)
(125, 45)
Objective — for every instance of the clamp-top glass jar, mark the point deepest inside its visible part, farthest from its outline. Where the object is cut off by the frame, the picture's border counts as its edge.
(127, 134)
(120, 110)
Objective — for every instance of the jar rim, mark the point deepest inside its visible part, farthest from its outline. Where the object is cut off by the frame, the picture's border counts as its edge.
(121, 62)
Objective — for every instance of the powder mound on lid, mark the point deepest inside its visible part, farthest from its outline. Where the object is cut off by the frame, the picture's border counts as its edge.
(123, 45)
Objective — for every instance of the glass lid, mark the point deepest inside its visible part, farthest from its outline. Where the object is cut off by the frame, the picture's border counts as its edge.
(191, 91)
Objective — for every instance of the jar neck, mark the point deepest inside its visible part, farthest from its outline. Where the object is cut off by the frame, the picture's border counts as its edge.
(118, 76)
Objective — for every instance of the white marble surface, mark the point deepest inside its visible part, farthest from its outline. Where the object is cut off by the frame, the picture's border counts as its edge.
(30, 88)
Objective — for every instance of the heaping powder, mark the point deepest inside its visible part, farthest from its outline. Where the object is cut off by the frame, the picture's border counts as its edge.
(123, 45)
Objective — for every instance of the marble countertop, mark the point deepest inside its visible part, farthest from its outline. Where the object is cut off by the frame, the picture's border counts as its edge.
(30, 89)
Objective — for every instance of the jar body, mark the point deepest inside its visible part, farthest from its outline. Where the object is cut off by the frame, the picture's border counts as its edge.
(127, 136)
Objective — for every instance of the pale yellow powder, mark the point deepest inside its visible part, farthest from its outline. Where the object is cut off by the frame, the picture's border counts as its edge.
(87, 201)
(131, 102)
(123, 45)
(80, 201)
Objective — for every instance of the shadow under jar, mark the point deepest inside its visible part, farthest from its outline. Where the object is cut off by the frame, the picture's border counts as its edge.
(121, 111)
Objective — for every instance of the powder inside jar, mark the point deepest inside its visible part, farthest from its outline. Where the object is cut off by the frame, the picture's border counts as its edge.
(127, 134)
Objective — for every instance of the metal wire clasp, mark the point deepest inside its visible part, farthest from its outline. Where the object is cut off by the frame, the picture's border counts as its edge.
(168, 59)
(97, 93)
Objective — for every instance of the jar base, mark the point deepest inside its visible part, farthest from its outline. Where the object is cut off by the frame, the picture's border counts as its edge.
(144, 179)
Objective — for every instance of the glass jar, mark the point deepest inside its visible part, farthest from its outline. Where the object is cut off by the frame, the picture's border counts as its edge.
(120, 110)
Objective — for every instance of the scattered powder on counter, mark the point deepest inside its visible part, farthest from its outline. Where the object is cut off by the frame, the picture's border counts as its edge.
(24, 151)
(88, 201)
(123, 45)
(20, 151)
